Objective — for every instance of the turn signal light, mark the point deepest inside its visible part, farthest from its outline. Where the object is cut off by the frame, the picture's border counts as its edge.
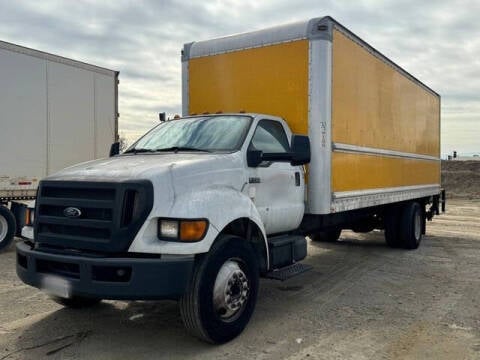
(29, 216)
(182, 230)
(192, 230)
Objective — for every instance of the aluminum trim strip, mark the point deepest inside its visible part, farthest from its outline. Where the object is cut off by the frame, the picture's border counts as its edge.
(348, 194)
(55, 58)
(320, 126)
(270, 36)
(185, 88)
(355, 200)
(340, 147)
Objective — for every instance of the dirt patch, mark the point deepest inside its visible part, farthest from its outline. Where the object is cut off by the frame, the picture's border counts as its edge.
(362, 300)
(461, 179)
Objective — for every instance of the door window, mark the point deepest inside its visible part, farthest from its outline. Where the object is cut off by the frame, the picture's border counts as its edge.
(269, 137)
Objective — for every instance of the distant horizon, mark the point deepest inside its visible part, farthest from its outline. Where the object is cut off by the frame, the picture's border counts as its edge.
(471, 154)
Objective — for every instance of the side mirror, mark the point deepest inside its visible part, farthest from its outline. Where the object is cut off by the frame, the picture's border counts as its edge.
(300, 150)
(254, 158)
(115, 149)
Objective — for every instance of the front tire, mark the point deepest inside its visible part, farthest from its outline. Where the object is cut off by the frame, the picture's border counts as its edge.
(223, 292)
(8, 226)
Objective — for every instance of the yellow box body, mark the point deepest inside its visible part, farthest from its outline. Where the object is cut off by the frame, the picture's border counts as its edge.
(373, 105)
(254, 80)
(389, 121)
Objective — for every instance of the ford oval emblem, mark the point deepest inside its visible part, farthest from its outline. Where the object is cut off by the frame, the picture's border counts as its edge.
(72, 212)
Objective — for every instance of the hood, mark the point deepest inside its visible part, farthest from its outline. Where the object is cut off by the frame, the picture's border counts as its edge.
(147, 166)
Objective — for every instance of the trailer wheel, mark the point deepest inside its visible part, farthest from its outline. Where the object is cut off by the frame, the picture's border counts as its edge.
(326, 236)
(7, 227)
(392, 227)
(223, 292)
(411, 225)
(76, 302)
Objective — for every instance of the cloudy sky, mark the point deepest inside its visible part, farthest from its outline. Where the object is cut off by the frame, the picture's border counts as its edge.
(437, 41)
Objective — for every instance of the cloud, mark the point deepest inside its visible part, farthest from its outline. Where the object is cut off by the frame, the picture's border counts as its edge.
(437, 41)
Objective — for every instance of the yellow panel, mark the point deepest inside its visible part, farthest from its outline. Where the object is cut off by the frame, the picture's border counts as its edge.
(360, 171)
(271, 80)
(374, 105)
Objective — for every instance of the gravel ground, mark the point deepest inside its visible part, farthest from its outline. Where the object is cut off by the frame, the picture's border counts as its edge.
(362, 300)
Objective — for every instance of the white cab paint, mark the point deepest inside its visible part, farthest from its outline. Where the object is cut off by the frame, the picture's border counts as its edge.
(204, 185)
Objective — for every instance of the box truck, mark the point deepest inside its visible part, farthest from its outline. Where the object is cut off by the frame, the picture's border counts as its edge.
(54, 112)
(293, 131)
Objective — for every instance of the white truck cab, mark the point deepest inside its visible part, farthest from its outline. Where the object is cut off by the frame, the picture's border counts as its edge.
(186, 211)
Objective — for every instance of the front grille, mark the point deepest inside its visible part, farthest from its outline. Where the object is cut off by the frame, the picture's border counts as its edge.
(96, 216)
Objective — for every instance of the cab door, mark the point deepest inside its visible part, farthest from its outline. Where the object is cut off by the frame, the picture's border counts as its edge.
(276, 188)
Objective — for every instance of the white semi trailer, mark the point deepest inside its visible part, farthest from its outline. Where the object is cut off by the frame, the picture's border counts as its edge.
(54, 112)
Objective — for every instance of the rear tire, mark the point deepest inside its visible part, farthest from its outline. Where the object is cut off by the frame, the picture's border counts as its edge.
(76, 302)
(326, 236)
(392, 227)
(8, 226)
(411, 225)
(223, 292)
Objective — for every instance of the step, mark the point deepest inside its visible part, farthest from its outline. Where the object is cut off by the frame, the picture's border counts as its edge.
(288, 272)
(285, 250)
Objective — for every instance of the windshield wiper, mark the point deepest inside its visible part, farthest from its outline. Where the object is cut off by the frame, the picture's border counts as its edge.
(181, 148)
(138, 150)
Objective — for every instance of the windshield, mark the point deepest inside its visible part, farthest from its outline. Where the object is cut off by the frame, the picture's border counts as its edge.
(203, 133)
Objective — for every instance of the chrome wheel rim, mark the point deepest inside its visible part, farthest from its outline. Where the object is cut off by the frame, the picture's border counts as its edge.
(3, 228)
(231, 290)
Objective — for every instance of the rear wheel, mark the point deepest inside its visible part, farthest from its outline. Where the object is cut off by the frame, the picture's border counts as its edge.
(326, 236)
(392, 227)
(411, 225)
(7, 227)
(223, 292)
(76, 302)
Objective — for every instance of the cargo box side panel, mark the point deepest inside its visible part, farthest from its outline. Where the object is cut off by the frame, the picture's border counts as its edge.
(385, 130)
(105, 117)
(270, 79)
(23, 125)
(374, 105)
(350, 171)
(71, 116)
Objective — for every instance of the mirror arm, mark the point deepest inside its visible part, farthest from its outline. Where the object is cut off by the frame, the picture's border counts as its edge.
(282, 157)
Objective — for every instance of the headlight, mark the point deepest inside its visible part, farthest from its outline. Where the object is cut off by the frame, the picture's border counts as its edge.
(182, 230)
(168, 228)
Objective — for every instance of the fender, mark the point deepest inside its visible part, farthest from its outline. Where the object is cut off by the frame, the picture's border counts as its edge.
(219, 204)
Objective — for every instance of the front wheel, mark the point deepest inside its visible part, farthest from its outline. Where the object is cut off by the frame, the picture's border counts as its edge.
(223, 292)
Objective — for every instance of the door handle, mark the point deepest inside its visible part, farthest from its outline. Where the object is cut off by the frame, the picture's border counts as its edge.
(297, 178)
